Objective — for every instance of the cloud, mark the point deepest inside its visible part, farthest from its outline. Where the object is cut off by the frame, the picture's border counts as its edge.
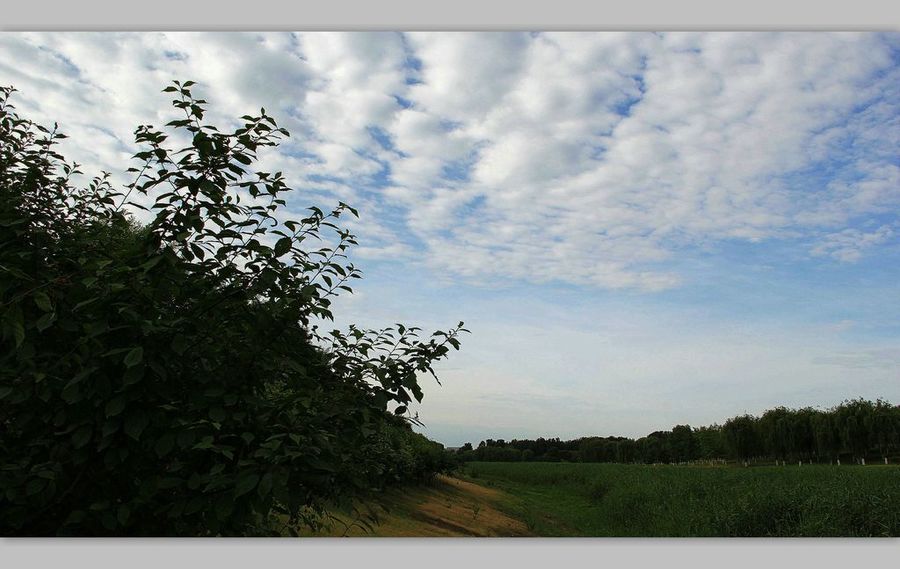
(597, 159)
(848, 245)
(885, 359)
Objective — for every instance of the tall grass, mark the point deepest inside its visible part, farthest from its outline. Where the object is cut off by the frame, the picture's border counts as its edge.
(641, 500)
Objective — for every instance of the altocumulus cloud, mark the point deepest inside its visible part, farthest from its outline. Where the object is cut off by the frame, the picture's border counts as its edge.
(588, 158)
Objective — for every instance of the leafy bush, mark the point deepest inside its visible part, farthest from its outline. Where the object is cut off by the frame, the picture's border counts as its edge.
(407, 456)
(171, 379)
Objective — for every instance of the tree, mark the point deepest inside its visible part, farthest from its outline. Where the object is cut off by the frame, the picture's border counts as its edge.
(773, 429)
(172, 379)
(684, 443)
(740, 432)
(824, 434)
(711, 442)
(854, 419)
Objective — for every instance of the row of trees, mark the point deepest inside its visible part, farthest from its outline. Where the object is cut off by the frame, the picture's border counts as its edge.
(853, 430)
(172, 379)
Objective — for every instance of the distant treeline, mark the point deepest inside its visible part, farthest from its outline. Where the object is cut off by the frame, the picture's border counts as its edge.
(852, 431)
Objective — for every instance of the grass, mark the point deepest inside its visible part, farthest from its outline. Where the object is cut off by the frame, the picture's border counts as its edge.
(569, 499)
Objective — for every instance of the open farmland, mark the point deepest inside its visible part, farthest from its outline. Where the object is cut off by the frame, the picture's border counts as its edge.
(574, 499)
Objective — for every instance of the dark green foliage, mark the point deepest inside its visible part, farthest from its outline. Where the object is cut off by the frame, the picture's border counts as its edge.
(408, 456)
(171, 379)
(742, 436)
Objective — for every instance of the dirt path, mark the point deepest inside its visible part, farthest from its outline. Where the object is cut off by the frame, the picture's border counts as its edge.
(448, 507)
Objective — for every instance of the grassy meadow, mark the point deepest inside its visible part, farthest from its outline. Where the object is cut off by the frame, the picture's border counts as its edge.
(610, 500)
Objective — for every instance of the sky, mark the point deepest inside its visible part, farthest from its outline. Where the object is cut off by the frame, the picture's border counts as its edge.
(639, 229)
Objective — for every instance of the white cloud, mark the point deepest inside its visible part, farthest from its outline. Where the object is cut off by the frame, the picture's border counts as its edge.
(848, 245)
(884, 359)
(575, 191)
(589, 158)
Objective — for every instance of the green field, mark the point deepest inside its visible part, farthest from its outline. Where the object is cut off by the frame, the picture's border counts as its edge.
(580, 499)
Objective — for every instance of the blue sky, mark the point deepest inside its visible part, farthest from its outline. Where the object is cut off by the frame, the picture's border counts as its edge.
(640, 229)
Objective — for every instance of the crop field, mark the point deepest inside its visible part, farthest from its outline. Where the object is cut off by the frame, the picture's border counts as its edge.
(608, 500)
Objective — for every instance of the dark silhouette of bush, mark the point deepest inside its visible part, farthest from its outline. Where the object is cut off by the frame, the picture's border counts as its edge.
(171, 379)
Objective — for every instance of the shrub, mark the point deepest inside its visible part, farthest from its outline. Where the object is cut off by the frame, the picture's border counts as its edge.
(171, 379)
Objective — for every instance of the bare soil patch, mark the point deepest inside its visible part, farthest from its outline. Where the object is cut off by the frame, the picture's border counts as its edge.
(447, 507)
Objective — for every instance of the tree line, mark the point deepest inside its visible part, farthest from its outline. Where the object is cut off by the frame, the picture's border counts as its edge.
(171, 378)
(852, 432)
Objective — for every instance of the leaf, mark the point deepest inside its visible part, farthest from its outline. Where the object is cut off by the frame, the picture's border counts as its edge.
(246, 482)
(70, 393)
(224, 506)
(198, 251)
(110, 427)
(45, 321)
(180, 344)
(123, 514)
(34, 486)
(134, 357)
(4, 391)
(135, 424)
(82, 436)
(115, 406)
(205, 443)
(43, 301)
(194, 506)
(265, 485)
(19, 333)
(152, 263)
(164, 445)
(133, 375)
(170, 482)
(85, 303)
(282, 246)
(217, 414)
(98, 506)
